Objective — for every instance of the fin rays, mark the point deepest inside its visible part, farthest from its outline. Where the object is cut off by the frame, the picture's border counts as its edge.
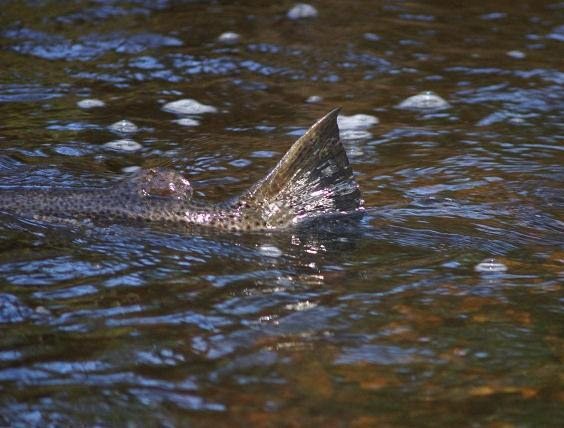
(313, 178)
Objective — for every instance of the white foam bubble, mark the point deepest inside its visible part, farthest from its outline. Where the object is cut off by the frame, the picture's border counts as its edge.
(314, 99)
(188, 106)
(371, 37)
(302, 11)
(270, 250)
(187, 121)
(131, 169)
(124, 145)
(123, 127)
(90, 103)
(301, 306)
(356, 121)
(490, 266)
(427, 100)
(516, 54)
(229, 38)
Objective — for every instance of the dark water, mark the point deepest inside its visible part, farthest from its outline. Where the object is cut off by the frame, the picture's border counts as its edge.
(443, 307)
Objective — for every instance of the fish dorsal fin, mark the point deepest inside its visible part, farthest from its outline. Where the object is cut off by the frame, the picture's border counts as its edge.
(313, 178)
(157, 182)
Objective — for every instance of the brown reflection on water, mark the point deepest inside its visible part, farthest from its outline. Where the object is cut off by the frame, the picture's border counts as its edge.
(390, 321)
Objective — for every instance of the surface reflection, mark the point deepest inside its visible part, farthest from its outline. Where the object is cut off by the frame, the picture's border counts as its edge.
(442, 305)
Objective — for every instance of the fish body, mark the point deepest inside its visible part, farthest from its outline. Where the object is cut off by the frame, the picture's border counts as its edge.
(312, 180)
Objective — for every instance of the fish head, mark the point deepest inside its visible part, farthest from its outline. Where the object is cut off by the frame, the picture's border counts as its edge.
(159, 182)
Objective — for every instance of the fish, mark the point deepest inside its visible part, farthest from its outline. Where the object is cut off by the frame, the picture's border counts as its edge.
(313, 181)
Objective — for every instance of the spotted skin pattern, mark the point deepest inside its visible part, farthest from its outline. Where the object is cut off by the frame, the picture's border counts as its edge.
(312, 180)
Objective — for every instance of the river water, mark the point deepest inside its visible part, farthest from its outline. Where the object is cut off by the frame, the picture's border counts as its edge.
(443, 306)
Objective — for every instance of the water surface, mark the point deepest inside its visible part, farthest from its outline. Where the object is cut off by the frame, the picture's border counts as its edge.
(443, 306)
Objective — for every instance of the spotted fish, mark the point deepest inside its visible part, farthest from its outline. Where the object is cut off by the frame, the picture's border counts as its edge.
(312, 181)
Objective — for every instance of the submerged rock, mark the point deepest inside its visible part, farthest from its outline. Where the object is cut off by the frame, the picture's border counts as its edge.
(124, 145)
(427, 100)
(302, 11)
(90, 103)
(188, 106)
(123, 127)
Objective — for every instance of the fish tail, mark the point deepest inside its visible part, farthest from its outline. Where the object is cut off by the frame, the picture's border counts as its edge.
(313, 179)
